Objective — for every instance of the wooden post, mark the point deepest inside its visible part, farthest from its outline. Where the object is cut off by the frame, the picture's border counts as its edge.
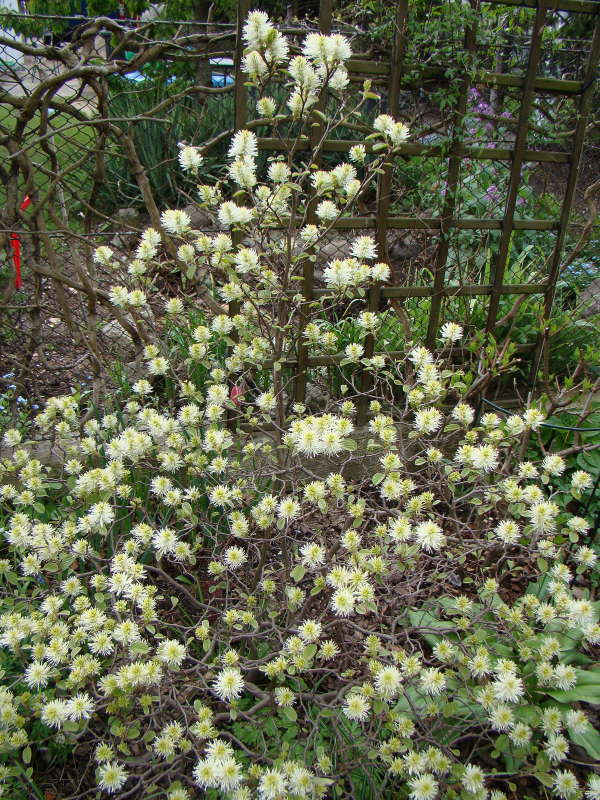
(585, 105)
(384, 188)
(448, 209)
(515, 170)
(308, 267)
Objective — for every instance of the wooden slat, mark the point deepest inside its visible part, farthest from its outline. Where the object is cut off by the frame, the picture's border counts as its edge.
(384, 192)
(515, 170)
(449, 206)
(585, 107)
(308, 267)
(464, 290)
(541, 84)
(434, 151)
(434, 223)
(578, 6)
(393, 355)
(239, 122)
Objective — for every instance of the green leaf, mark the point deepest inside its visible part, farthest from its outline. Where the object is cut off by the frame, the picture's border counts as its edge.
(545, 778)
(309, 651)
(26, 755)
(289, 713)
(298, 572)
(349, 444)
(377, 478)
(586, 690)
(590, 741)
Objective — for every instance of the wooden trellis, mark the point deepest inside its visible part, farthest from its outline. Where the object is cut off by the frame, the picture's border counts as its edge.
(530, 84)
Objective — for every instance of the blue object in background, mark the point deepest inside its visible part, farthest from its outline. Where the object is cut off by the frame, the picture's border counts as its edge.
(220, 80)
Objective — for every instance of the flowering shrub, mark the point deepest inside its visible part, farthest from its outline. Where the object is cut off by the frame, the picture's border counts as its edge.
(237, 594)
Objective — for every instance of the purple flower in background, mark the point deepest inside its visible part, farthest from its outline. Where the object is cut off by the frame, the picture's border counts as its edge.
(493, 193)
(506, 115)
(521, 201)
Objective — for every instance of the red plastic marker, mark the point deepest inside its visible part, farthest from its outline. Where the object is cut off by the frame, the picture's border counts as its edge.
(15, 243)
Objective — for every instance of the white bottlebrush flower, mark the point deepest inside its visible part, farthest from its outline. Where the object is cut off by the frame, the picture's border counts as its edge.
(384, 124)
(255, 65)
(244, 146)
(55, 712)
(473, 779)
(532, 418)
(398, 134)
(593, 788)
(507, 531)
(229, 684)
(243, 172)
(231, 214)
(580, 480)
(272, 785)
(171, 652)
(429, 536)
(380, 272)
(175, 221)
(356, 707)
(279, 172)
(423, 787)
(235, 557)
(190, 158)
(388, 682)
(543, 516)
(354, 352)
(288, 509)
(451, 332)
(326, 50)
(80, 707)
(339, 80)
(310, 630)
(553, 465)
(327, 211)
(508, 688)
(432, 681)
(357, 154)
(565, 785)
(485, 458)
(343, 602)
(463, 414)
(257, 29)
(313, 555)
(37, 674)
(111, 777)
(427, 420)
(364, 248)
(266, 107)
(103, 255)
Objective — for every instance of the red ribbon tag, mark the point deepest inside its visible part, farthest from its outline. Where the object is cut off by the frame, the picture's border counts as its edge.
(15, 243)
